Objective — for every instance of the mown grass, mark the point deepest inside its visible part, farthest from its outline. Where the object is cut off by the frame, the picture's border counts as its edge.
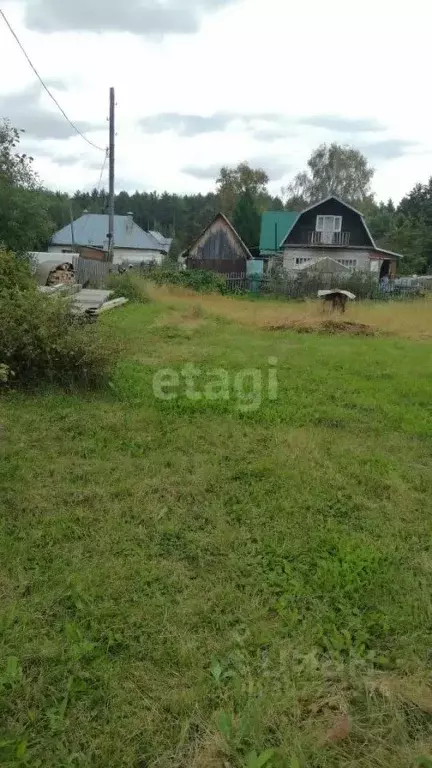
(185, 584)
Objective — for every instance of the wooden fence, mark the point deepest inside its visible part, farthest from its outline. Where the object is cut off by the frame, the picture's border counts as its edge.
(91, 273)
(302, 286)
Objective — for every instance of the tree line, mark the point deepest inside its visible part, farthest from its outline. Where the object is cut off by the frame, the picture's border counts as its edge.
(30, 213)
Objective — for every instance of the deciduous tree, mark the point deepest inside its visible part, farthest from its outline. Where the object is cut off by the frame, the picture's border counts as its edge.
(24, 221)
(333, 170)
(247, 219)
(232, 182)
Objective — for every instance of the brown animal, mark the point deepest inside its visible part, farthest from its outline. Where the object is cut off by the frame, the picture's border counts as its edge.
(336, 297)
(337, 300)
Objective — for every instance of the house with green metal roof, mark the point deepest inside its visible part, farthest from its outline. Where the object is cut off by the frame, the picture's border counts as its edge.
(327, 232)
(275, 225)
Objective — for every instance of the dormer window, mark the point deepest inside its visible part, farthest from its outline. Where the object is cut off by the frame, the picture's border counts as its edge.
(329, 228)
(329, 224)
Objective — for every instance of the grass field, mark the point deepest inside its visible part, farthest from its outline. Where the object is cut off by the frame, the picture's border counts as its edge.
(189, 584)
(406, 319)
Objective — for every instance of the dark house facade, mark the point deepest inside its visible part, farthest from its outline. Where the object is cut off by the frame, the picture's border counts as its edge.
(332, 236)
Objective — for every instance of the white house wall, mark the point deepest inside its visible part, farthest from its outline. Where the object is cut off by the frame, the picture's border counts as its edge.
(62, 248)
(133, 256)
(291, 254)
(130, 255)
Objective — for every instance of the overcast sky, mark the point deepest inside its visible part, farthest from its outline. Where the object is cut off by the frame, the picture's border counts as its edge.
(202, 83)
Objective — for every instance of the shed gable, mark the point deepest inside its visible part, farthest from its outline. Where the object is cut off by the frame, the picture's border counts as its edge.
(219, 240)
(219, 247)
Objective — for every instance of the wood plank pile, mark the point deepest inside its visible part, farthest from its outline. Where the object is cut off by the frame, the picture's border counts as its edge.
(63, 274)
(94, 302)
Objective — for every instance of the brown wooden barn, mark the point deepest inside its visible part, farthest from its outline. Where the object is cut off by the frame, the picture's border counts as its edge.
(218, 248)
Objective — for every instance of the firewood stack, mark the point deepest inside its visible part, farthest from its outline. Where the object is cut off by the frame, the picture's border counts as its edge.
(62, 273)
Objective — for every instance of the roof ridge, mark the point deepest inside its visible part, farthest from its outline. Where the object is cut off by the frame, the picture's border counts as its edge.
(321, 202)
(231, 226)
(90, 229)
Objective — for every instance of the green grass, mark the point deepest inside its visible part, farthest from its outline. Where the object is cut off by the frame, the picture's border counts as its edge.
(183, 584)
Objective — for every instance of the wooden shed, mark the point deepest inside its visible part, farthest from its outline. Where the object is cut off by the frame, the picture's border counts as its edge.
(219, 248)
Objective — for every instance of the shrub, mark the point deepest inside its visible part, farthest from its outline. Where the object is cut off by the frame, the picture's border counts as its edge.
(200, 280)
(130, 284)
(5, 374)
(15, 273)
(43, 340)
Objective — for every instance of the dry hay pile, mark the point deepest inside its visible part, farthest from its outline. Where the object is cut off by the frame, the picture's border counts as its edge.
(324, 326)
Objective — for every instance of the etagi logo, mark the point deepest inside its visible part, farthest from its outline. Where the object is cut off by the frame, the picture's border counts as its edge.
(246, 388)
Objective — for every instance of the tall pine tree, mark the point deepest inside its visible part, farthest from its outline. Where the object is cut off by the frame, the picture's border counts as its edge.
(246, 219)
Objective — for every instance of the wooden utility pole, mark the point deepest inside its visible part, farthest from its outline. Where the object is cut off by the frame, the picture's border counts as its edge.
(111, 176)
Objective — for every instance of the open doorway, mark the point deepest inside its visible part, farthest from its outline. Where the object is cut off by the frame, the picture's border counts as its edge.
(385, 269)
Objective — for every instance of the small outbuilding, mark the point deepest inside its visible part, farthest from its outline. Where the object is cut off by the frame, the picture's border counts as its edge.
(218, 248)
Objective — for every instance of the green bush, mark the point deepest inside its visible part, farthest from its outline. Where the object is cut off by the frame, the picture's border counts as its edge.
(15, 273)
(200, 280)
(129, 284)
(42, 340)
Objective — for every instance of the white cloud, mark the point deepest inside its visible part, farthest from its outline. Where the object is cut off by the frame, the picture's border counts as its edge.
(387, 149)
(341, 124)
(276, 95)
(276, 167)
(28, 111)
(141, 17)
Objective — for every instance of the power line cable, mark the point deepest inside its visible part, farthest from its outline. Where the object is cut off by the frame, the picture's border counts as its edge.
(95, 146)
(102, 170)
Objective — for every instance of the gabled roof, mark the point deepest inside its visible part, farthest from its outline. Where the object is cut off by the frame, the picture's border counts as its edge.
(92, 229)
(165, 242)
(222, 216)
(323, 261)
(325, 200)
(389, 253)
(274, 227)
(331, 197)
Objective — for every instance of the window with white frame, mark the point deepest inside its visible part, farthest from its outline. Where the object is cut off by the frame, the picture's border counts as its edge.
(329, 224)
(302, 260)
(347, 262)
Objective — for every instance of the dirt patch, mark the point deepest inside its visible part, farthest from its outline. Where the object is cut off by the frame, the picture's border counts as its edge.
(187, 320)
(346, 326)
(325, 326)
(340, 729)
